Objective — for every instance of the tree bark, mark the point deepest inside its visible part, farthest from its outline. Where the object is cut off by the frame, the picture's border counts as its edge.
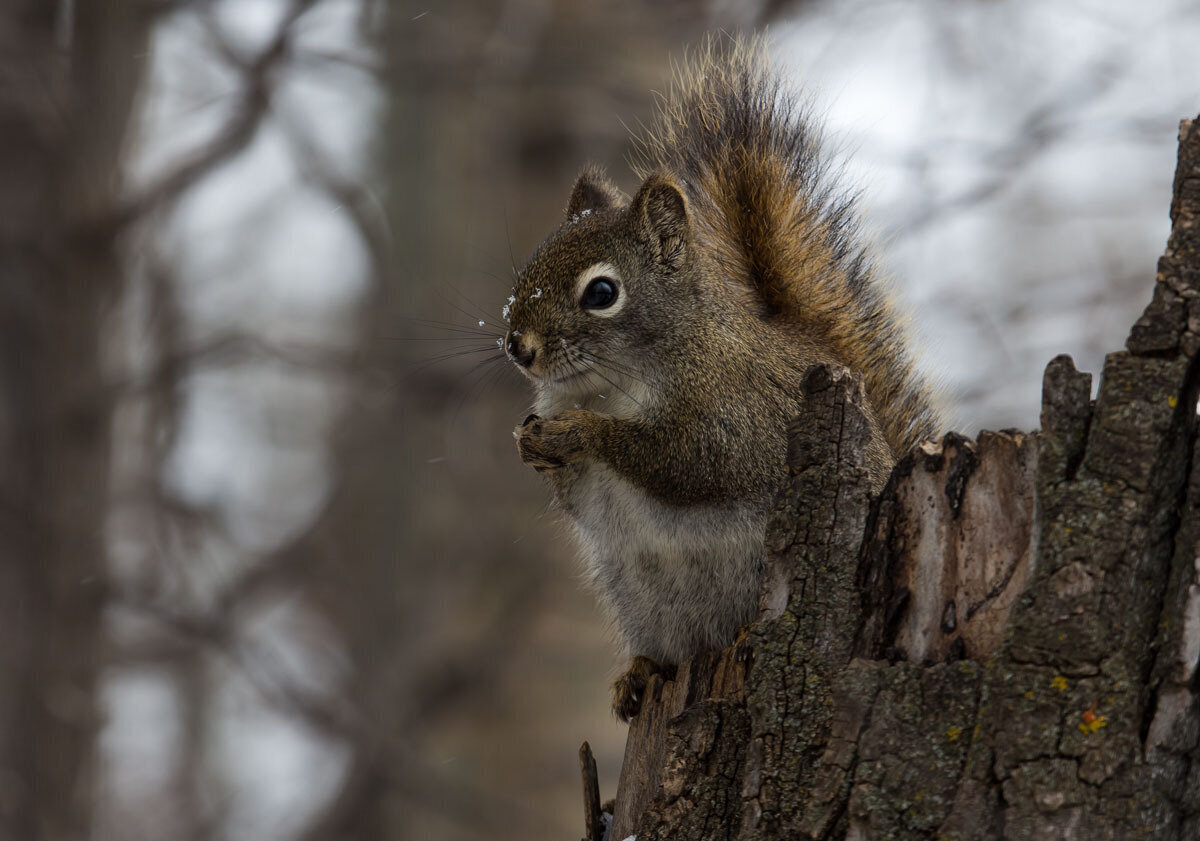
(1001, 645)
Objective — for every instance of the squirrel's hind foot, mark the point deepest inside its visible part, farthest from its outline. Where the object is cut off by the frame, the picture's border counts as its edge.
(629, 689)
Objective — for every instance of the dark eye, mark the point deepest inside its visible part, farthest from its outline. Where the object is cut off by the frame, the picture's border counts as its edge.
(600, 294)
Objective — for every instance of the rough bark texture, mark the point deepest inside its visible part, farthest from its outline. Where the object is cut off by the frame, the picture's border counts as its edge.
(1002, 645)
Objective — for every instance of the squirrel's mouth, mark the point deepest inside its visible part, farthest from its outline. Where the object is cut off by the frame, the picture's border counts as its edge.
(556, 377)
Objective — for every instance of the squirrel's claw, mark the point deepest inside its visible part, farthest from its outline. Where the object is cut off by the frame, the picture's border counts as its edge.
(629, 689)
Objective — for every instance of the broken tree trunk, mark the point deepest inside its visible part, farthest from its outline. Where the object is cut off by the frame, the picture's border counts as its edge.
(1002, 645)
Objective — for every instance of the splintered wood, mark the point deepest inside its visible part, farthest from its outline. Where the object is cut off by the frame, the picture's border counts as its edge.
(951, 538)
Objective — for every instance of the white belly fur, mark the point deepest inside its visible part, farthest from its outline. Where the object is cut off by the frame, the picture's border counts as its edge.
(678, 579)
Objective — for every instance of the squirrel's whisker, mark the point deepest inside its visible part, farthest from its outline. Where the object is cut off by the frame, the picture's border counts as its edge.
(595, 369)
(458, 354)
(615, 368)
(512, 260)
(437, 338)
(480, 384)
(593, 356)
(479, 315)
(450, 327)
(482, 365)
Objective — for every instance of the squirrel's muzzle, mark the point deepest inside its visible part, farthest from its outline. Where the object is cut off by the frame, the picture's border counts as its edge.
(520, 349)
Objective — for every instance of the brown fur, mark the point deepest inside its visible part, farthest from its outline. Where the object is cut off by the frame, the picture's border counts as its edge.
(662, 415)
(760, 192)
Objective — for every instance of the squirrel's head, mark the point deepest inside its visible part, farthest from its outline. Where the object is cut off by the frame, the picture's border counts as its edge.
(603, 290)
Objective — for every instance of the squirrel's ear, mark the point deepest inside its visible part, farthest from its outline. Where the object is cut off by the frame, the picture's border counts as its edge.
(660, 215)
(593, 192)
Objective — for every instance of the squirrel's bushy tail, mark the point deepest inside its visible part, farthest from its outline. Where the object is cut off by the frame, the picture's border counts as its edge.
(766, 210)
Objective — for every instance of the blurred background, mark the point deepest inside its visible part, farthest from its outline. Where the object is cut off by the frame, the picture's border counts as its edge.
(269, 565)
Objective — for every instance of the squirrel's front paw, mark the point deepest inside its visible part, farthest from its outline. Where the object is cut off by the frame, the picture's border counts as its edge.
(630, 688)
(550, 443)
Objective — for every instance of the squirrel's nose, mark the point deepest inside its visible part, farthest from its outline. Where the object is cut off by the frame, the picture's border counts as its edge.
(519, 351)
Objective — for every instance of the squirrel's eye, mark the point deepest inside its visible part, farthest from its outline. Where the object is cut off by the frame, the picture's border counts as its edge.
(600, 294)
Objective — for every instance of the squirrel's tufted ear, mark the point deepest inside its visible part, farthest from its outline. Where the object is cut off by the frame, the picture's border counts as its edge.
(660, 215)
(593, 192)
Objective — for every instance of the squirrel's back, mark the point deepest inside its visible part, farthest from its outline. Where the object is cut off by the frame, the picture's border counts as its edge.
(768, 215)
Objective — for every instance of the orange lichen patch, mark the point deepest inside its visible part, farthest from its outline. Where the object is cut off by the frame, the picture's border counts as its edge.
(1091, 721)
(1060, 683)
(953, 733)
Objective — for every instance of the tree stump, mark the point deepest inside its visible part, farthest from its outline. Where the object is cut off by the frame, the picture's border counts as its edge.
(1001, 645)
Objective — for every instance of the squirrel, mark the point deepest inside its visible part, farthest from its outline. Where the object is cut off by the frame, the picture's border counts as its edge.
(667, 338)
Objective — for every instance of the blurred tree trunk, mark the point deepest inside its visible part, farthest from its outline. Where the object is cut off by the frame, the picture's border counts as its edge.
(431, 613)
(953, 660)
(66, 89)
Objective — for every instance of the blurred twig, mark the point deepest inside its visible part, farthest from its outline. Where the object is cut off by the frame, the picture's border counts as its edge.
(257, 81)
